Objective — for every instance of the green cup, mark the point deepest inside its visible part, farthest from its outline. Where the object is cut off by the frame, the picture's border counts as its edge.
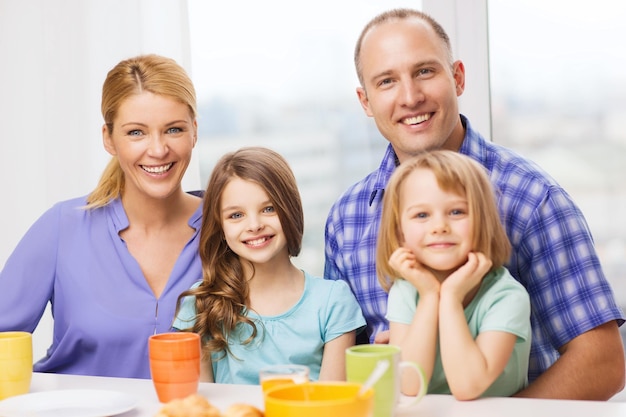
(360, 363)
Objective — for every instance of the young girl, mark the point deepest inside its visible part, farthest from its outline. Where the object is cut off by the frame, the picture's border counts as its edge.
(456, 310)
(253, 307)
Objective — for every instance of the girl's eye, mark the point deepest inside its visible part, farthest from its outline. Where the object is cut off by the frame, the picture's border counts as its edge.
(268, 209)
(421, 215)
(457, 212)
(235, 216)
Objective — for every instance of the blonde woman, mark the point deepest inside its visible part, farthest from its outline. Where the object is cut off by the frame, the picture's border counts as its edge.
(113, 263)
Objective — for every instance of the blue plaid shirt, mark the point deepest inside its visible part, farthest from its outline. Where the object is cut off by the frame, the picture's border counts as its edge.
(553, 252)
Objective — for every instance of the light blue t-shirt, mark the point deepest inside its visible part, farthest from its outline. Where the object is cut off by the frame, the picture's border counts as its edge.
(325, 311)
(501, 304)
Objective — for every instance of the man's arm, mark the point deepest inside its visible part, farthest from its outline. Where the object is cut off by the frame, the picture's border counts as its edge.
(591, 367)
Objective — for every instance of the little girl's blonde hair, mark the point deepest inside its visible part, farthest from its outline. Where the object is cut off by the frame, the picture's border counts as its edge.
(457, 173)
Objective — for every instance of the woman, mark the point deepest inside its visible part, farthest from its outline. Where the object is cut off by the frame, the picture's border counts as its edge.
(113, 263)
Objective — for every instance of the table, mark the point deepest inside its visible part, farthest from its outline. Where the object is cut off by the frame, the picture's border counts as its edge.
(222, 395)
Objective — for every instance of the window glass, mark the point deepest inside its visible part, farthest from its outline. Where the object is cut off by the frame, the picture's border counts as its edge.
(280, 73)
(559, 97)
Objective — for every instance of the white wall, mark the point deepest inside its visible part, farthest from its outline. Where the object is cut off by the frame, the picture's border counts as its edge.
(55, 56)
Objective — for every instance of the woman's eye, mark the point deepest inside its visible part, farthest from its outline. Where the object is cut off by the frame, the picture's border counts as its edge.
(174, 130)
(135, 133)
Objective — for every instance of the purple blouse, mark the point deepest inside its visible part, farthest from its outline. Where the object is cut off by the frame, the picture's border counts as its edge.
(103, 308)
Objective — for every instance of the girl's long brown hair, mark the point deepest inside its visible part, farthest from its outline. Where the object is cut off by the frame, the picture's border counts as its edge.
(223, 295)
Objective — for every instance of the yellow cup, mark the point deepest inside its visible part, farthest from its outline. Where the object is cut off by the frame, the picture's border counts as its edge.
(319, 399)
(16, 363)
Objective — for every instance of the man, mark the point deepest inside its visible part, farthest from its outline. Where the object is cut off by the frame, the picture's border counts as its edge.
(410, 86)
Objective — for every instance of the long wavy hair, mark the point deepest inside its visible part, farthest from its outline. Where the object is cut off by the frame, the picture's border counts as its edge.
(153, 73)
(456, 173)
(223, 296)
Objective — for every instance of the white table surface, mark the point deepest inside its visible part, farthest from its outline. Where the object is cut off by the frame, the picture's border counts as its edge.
(222, 395)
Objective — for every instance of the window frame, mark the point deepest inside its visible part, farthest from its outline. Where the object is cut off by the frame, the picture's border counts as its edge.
(467, 25)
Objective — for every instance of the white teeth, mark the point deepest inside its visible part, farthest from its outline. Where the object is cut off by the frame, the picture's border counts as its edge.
(255, 241)
(417, 119)
(157, 170)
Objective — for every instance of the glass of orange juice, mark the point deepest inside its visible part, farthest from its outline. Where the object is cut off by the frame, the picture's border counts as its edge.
(274, 375)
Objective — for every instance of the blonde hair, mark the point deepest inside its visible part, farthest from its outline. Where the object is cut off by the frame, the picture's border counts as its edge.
(152, 73)
(222, 297)
(457, 173)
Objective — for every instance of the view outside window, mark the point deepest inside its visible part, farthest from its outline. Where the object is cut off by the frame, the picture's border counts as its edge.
(281, 75)
(559, 97)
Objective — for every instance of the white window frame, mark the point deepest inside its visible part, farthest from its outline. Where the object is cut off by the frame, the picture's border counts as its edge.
(466, 23)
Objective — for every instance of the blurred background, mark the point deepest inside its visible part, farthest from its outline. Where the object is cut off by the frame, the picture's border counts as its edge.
(545, 77)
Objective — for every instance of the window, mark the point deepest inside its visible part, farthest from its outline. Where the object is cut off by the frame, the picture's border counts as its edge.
(281, 75)
(559, 98)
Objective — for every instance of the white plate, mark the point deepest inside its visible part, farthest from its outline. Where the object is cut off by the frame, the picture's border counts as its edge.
(67, 403)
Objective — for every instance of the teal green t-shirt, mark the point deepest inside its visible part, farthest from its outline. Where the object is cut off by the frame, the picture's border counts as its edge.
(501, 304)
(326, 310)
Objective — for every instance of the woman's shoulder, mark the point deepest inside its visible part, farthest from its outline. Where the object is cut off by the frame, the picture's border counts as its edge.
(71, 208)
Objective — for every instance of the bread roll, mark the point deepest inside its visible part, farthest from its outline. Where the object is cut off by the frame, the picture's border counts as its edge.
(242, 410)
(192, 406)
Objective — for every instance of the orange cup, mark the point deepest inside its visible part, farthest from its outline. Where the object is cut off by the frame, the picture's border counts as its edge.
(175, 364)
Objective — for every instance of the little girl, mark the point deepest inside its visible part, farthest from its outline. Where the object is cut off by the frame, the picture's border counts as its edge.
(253, 307)
(455, 310)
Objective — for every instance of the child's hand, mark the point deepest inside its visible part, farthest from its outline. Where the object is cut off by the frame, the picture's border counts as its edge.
(468, 276)
(405, 264)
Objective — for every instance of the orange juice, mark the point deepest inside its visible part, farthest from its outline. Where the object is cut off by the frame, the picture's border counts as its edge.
(266, 384)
